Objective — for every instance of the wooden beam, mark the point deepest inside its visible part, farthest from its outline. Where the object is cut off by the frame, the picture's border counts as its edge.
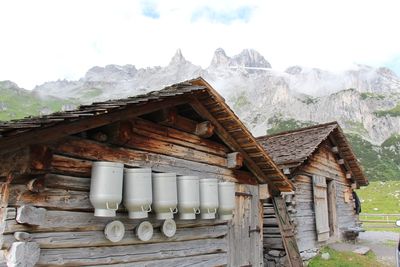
(23, 254)
(235, 160)
(230, 141)
(62, 129)
(88, 151)
(30, 215)
(126, 138)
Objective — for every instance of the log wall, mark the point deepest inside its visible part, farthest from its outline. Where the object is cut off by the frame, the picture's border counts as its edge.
(55, 212)
(323, 163)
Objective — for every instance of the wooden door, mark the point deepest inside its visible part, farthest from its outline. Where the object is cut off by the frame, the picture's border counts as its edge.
(321, 208)
(245, 235)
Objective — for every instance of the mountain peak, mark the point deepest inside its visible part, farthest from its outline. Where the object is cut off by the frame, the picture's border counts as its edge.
(251, 58)
(220, 58)
(177, 58)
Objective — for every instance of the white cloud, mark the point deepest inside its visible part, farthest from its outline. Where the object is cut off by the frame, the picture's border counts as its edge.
(46, 40)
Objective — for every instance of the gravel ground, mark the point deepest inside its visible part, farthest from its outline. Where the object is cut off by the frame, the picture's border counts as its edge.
(381, 243)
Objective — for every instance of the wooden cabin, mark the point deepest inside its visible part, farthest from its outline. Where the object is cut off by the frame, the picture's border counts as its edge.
(187, 128)
(320, 163)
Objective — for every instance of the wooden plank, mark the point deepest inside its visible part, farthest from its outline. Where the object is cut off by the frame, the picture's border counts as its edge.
(230, 141)
(130, 253)
(46, 134)
(62, 221)
(174, 136)
(23, 254)
(97, 238)
(67, 182)
(286, 227)
(321, 208)
(127, 138)
(50, 198)
(333, 218)
(91, 150)
(215, 259)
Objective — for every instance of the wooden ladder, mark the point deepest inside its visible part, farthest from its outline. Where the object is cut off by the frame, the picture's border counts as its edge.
(287, 232)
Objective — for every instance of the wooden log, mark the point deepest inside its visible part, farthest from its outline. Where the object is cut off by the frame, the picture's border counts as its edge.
(161, 147)
(33, 159)
(97, 238)
(67, 182)
(231, 142)
(50, 198)
(204, 129)
(235, 160)
(23, 254)
(171, 135)
(62, 221)
(130, 253)
(214, 259)
(67, 165)
(30, 215)
(99, 151)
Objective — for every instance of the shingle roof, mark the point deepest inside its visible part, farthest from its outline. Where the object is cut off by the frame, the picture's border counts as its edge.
(293, 148)
(19, 133)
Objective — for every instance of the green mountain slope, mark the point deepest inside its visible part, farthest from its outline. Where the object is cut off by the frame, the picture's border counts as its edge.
(380, 163)
(16, 103)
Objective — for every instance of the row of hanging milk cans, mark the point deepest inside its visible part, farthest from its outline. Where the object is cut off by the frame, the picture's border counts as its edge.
(165, 193)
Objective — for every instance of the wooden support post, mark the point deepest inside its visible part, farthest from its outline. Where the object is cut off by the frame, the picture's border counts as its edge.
(235, 160)
(31, 215)
(23, 254)
(264, 192)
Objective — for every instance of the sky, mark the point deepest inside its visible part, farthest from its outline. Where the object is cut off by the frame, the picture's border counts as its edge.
(45, 40)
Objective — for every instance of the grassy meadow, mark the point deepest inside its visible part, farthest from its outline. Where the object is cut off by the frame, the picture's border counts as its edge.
(380, 198)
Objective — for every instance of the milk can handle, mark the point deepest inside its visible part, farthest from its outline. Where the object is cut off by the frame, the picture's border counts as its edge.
(108, 207)
(148, 208)
(196, 210)
(174, 210)
(215, 211)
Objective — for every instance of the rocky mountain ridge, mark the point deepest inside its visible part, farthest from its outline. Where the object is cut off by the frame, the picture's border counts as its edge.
(364, 100)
